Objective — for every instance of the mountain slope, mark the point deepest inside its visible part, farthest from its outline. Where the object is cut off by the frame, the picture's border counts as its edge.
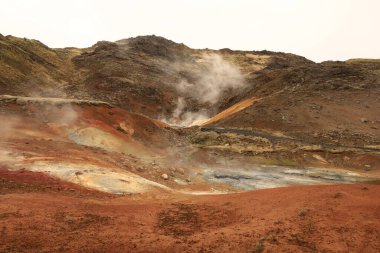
(159, 78)
(141, 74)
(332, 101)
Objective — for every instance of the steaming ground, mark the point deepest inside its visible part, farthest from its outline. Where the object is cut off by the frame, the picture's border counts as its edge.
(210, 80)
(81, 175)
(101, 147)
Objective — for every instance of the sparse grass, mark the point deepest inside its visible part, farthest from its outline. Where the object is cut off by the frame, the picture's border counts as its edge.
(303, 212)
(259, 246)
(205, 138)
(272, 239)
(273, 161)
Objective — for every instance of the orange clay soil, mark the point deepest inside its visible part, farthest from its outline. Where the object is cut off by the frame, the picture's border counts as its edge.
(42, 214)
(232, 110)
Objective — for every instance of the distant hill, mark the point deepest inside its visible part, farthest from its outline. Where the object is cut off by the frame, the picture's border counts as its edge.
(165, 80)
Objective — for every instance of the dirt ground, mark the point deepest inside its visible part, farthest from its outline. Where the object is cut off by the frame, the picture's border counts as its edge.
(39, 213)
(42, 214)
(299, 113)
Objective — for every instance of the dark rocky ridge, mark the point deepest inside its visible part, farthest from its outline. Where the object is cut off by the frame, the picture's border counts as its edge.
(142, 75)
(132, 73)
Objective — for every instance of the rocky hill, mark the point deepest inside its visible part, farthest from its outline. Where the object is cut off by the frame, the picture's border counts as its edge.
(174, 83)
(145, 74)
(146, 145)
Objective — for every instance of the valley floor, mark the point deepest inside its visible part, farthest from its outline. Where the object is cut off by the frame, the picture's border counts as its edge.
(84, 176)
(42, 214)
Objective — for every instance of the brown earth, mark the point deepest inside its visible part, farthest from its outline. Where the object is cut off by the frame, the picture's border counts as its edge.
(327, 101)
(41, 214)
(86, 166)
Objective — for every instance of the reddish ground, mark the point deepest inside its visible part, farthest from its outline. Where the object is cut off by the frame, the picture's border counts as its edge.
(42, 214)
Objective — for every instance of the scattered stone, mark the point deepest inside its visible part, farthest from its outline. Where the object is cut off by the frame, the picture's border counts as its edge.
(181, 171)
(165, 176)
(180, 182)
(364, 120)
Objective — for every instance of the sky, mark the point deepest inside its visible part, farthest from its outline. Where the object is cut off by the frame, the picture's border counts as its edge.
(317, 29)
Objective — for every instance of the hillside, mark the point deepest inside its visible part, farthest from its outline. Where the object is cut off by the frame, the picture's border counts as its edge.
(145, 144)
(146, 74)
(336, 102)
(172, 82)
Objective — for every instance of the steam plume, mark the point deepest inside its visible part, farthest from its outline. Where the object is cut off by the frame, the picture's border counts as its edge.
(215, 77)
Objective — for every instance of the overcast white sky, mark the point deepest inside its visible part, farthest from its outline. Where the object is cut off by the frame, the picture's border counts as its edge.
(317, 29)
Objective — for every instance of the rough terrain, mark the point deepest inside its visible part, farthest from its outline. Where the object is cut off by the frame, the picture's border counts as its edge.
(147, 145)
(41, 214)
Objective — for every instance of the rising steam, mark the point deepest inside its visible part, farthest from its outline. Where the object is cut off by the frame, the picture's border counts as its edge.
(182, 117)
(218, 76)
(215, 77)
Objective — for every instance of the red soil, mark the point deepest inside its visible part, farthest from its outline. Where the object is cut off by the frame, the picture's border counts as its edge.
(38, 218)
(43, 214)
(24, 181)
